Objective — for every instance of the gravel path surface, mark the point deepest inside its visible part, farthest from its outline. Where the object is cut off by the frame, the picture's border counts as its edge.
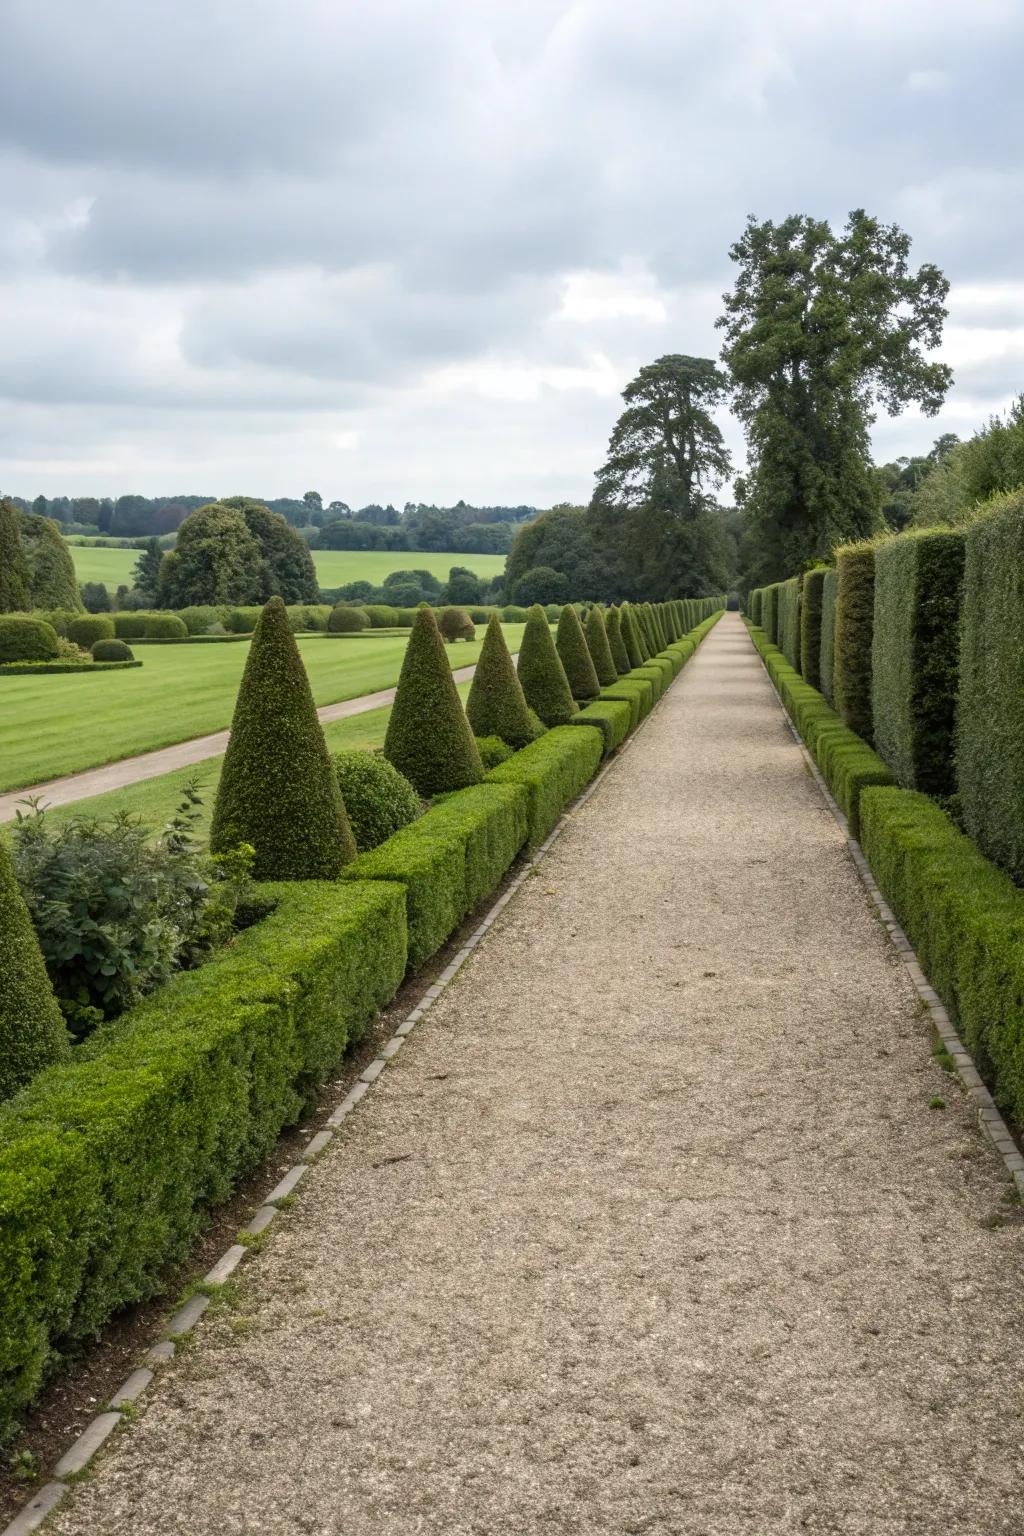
(150, 765)
(650, 1228)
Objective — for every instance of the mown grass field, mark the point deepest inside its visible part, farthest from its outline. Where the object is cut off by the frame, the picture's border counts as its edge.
(334, 567)
(62, 723)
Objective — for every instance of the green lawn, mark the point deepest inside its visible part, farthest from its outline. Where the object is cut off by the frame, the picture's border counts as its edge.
(62, 723)
(334, 567)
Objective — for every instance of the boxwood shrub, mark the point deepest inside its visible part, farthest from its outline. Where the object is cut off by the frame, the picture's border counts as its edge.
(90, 627)
(26, 639)
(637, 692)
(611, 717)
(111, 650)
(553, 770)
(165, 626)
(915, 656)
(109, 1165)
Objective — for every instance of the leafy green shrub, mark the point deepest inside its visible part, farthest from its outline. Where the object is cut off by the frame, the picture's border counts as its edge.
(855, 613)
(406, 618)
(15, 581)
(990, 726)
(378, 799)
(130, 626)
(789, 620)
(636, 651)
(308, 618)
(915, 656)
(493, 751)
(571, 644)
(964, 918)
(381, 616)
(111, 650)
(25, 639)
(89, 628)
(810, 626)
(200, 619)
(553, 770)
(109, 1165)
(428, 737)
(32, 1033)
(278, 789)
(513, 614)
(541, 673)
(115, 914)
(242, 621)
(455, 624)
(827, 668)
(634, 691)
(165, 626)
(600, 651)
(451, 859)
(616, 644)
(497, 705)
(347, 621)
(612, 717)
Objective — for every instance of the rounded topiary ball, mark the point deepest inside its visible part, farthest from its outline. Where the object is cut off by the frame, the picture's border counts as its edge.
(347, 621)
(379, 800)
(111, 650)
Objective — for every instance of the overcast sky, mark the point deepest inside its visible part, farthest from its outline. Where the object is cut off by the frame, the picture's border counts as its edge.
(400, 250)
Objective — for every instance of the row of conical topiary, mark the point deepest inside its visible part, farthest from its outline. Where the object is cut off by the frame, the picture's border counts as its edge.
(279, 789)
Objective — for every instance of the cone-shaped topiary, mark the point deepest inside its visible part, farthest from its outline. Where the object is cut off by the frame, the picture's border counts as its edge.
(600, 650)
(32, 1033)
(653, 636)
(613, 629)
(572, 649)
(497, 705)
(429, 738)
(541, 673)
(14, 574)
(278, 790)
(631, 637)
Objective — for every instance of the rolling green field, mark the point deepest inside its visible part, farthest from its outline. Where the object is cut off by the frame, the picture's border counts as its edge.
(334, 567)
(59, 724)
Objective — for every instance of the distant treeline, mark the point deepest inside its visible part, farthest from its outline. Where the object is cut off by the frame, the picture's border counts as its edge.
(459, 529)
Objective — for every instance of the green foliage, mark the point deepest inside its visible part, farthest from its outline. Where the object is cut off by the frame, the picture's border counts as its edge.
(541, 584)
(915, 657)
(827, 667)
(553, 771)
(377, 798)
(84, 632)
(788, 620)
(347, 621)
(243, 621)
(164, 626)
(636, 651)
(15, 585)
(756, 598)
(612, 717)
(514, 615)
(964, 918)
(216, 559)
(25, 639)
(115, 914)
(52, 580)
(286, 565)
(770, 613)
(574, 655)
(493, 751)
(111, 650)
(109, 1165)
(637, 692)
(855, 616)
(451, 859)
(429, 739)
(990, 727)
(819, 328)
(95, 597)
(616, 644)
(455, 624)
(278, 790)
(810, 626)
(541, 673)
(600, 651)
(497, 705)
(381, 615)
(32, 1033)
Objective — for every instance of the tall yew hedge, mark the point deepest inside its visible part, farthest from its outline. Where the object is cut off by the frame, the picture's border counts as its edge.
(855, 611)
(810, 626)
(827, 661)
(789, 620)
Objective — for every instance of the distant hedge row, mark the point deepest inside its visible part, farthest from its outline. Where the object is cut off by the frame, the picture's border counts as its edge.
(109, 1163)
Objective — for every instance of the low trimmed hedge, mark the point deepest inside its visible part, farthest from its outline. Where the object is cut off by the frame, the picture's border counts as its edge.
(848, 764)
(965, 919)
(636, 692)
(553, 770)
(13, 668)
(612, 717)
(452, 857)
(655, 675)
(108, 1165)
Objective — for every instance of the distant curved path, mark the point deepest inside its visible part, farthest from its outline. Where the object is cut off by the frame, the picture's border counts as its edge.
(150, 765)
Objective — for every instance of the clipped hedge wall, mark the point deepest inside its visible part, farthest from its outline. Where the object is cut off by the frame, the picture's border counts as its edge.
(553, 770)
(827, 660)
(612, 717)
(810, 626)
(964, 917)
(789, 621)
(109, 1164)
(637, 692)
(915, 656)
(855, 616)
(990, 729)
(452, 857)
(770, 612)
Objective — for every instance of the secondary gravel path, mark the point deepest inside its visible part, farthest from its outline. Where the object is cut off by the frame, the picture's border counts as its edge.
(650, 1228)
(150, 765)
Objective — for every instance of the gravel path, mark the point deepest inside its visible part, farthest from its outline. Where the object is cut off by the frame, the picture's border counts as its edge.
(650, 1228)
(150, 765)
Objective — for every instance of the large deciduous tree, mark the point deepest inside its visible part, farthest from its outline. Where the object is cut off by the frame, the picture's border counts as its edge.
(820, 329)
